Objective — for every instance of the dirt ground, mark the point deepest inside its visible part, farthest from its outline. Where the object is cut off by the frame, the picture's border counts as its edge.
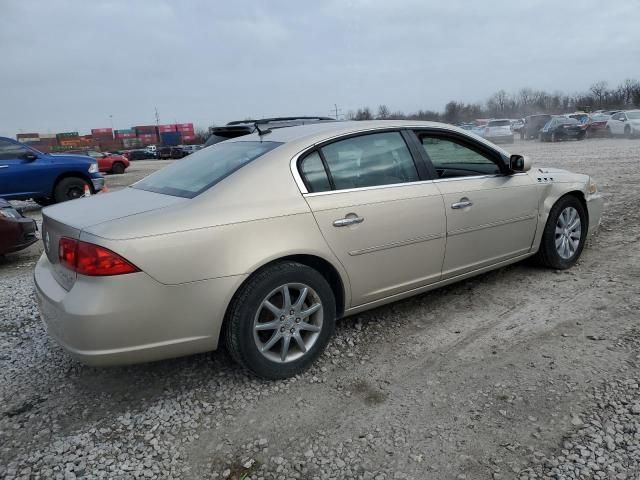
(482, 379)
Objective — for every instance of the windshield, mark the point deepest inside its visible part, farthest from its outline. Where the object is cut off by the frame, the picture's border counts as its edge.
(633, 115)
(204, 168)
(499, 123)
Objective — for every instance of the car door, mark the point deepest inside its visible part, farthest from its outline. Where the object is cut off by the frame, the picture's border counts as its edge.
(616, 124)
(379, 213)
(491, 215)
(21, 171)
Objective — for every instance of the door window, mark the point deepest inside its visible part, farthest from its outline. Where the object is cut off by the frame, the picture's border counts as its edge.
(452, 159)
(314, 174)
(12, 151)
(370, 160)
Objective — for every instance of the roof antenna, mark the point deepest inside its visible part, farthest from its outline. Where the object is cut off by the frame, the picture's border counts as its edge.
(261, 132)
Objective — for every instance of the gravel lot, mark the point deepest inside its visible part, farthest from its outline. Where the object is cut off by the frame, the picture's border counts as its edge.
(519, 373)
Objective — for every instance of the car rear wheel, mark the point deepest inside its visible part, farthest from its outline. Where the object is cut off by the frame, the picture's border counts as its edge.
(118, 168)
(281, 320)
(554, 137)
(69, 189)
(564, 234)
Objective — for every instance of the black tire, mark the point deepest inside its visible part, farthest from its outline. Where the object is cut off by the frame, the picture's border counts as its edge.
(117, 168)
(238, 328)
(548, 255)
(43, 201)
(69, 188)
(581, 136)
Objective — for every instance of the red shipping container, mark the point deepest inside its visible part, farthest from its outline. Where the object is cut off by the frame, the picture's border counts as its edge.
(95, 131)
(184, 125)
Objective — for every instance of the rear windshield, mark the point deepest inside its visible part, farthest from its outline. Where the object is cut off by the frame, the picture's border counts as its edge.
(499, 123)
(204, 168)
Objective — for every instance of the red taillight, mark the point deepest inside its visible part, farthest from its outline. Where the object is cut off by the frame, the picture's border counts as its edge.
(92, 260)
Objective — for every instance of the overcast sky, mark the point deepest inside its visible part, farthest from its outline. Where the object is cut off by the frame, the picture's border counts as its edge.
(69, 65)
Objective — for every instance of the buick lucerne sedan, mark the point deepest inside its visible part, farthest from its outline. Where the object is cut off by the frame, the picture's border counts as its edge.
(261, 242)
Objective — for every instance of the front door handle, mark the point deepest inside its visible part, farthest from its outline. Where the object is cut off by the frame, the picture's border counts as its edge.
(463, 203)
(351, 219)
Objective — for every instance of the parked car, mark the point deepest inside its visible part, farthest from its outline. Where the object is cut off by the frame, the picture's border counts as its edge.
(625, 123)
(597, 125)
(107, 162)
(517, 125)
(532, 126)
(562, 128)
(47, 178)
(189, 149)
(245, 127)
(140, 155)
(498, 131)
(152, 149)
(16, 231)
(166, 153)
(263, 241)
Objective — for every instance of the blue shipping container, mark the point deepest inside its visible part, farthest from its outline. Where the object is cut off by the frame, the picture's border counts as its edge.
(170, 139)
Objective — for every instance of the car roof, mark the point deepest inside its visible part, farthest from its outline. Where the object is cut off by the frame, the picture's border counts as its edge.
(307, 135)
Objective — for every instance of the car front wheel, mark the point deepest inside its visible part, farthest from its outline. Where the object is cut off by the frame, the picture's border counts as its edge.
(281, 320)
(564, 234)
(118, 168)
(69, 189)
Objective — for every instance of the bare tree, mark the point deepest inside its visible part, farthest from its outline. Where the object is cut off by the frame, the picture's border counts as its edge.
(627, 88)
(364, 114)
(383, 112)
(599, 90)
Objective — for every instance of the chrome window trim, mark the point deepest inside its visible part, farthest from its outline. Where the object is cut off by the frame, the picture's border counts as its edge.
(293, 164)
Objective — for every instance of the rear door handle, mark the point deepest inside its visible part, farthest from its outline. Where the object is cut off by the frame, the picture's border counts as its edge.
(351, 219)
(463, 203)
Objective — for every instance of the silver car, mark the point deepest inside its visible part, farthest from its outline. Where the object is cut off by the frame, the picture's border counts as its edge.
(263, 241)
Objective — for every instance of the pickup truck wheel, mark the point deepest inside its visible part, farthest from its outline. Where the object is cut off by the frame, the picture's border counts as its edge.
(69, 189)
(118, 168)
(564, 234)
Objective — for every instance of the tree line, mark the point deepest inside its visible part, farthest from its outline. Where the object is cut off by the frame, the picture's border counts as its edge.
(525, 102)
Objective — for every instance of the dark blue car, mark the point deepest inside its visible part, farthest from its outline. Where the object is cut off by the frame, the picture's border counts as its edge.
(46, 178)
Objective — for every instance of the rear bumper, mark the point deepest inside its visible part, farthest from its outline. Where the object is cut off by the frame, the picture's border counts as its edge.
(595, 206)
(17, 234)
(132, 318)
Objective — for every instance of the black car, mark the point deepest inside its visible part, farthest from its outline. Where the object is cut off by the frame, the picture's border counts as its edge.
(532, 126)
(245, 127)
(562, 128)
(140, 155)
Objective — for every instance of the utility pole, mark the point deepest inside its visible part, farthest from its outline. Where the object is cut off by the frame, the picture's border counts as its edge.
(336, 111)
(111, 121)
(157, 117)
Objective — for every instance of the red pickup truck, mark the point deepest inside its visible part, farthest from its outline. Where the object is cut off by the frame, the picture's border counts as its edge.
(107, 162)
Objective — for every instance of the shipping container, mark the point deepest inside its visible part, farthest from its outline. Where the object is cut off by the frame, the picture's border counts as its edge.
(184, 125)
(131, 142)
(145, 129)
(125, 135)
(47, 135)
(22, 136)
(62, 148)
(101, 130)
(170, 139)
(66, 135)
(125, 130)
(28, 139)
(167, 128)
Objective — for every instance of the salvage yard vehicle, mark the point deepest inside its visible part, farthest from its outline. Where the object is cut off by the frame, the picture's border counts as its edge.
(597, 125)
(532, 126)
(17, 232)
(562, 128)
(498, 131)
(263, 241)
(625, 123)
(107, 162)
(46, 178)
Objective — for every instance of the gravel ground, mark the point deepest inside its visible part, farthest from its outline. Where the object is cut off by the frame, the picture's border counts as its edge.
(519, 373)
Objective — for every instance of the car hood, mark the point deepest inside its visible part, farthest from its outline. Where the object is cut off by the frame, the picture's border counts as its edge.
(558, 174)
(72, 157)
(104, 207)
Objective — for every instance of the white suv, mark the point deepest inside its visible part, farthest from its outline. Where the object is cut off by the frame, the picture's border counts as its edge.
(624, 123)
(498, 131)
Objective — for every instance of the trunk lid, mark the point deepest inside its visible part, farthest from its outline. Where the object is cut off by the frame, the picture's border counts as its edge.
(69, 219)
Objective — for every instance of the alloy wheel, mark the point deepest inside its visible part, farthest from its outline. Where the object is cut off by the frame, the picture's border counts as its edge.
(288, 322)
(568, 233)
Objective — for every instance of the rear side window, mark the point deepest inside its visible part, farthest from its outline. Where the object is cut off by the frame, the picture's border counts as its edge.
(370, 160)
(204, 168)
(314, 174)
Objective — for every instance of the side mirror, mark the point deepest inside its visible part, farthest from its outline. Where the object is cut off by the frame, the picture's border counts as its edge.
(519, 163)
(30, 156)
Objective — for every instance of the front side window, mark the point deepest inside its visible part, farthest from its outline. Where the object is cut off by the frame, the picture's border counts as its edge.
(452, 159)
(370, 160)
(12, 151)
(204, 168)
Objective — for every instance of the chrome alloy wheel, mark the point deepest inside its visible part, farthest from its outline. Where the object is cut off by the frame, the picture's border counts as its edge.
(568, 233)
(288, 322)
